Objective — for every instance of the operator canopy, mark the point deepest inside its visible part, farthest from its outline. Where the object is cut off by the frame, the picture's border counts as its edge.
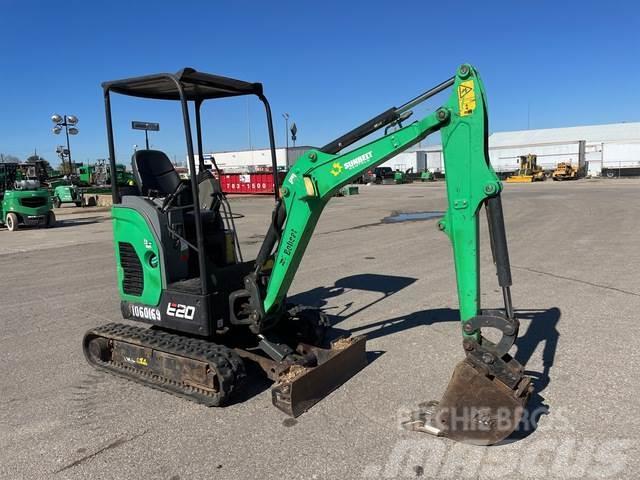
(196, 85)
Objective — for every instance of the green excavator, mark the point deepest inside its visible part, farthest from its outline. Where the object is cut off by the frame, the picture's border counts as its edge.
(212, 313)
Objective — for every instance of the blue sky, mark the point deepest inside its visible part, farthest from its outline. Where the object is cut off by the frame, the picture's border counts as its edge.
(330, 64)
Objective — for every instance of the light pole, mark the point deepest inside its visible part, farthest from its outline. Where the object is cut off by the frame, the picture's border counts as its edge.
(286, 136)
(69, 123)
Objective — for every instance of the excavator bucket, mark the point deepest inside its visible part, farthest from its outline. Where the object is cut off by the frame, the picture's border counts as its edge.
(298, 388)
(476, 408)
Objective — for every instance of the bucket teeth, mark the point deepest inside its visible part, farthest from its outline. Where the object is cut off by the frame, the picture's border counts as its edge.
(476, 408)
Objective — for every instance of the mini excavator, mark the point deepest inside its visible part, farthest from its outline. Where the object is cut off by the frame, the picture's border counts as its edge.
(180, 267)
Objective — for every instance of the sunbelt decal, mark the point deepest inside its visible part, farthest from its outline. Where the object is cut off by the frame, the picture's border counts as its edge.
(356, 162)
(337, 168)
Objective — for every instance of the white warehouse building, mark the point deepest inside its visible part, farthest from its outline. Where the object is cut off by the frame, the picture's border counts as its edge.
(252, 160)
(600, 148)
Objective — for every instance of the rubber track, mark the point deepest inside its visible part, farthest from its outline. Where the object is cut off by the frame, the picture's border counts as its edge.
(228, 366)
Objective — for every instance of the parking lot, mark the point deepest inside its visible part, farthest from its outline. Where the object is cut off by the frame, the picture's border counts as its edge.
(574, 252)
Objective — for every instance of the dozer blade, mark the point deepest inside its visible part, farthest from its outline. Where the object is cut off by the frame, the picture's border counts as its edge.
(519, 179)
(476, 408)
(298, 388)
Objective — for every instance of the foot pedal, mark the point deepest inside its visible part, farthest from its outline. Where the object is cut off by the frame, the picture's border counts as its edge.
(299, 387)
(476, 408)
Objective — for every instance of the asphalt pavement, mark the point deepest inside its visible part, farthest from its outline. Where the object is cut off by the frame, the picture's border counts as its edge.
(574, 253)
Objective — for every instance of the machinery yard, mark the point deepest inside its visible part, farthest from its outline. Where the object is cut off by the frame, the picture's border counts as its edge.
(572, 247)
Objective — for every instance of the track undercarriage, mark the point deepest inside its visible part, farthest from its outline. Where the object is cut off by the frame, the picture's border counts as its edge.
(212, 374)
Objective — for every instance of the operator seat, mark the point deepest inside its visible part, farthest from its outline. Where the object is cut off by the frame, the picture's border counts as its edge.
(154, 173)
(156, 177)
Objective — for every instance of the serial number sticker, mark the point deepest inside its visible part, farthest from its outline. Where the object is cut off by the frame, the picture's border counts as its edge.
(148, 313)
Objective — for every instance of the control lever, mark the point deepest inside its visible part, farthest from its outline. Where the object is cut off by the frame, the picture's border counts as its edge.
(169, 199)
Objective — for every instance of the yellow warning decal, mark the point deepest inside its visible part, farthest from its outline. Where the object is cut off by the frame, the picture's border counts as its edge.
(466, 98)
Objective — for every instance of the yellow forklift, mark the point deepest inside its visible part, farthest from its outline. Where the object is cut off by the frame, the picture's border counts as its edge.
(528, 172)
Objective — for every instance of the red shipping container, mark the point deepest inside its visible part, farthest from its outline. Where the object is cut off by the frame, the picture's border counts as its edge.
(249, 183)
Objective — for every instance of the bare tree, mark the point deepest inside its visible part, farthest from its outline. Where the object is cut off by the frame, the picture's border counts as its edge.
(38, 158)
(6, 158)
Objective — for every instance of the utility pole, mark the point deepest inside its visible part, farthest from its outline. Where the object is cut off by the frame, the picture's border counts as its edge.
(249, 125)
(286, 136)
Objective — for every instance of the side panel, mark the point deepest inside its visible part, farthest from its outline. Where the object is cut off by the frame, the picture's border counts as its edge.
(137, 257)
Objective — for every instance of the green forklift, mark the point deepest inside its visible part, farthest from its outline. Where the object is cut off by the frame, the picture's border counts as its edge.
(402, 176)
(426, 176)
(23, 202)
(213, 313)
(65, 193)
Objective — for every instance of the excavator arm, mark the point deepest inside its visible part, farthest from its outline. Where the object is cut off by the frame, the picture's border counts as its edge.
(485, 398)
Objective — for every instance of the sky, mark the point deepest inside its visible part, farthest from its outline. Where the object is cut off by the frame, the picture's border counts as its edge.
(330, 64)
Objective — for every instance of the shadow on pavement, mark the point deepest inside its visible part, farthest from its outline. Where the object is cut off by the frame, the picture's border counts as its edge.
(81, 221)
(387, 285)
(541, 330)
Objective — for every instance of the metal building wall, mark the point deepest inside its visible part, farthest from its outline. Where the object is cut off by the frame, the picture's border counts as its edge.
(605, 147)
(507, 158)
(403, 161)
(251, 160)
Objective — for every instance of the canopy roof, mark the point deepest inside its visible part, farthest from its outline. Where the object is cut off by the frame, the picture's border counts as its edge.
(196, 86)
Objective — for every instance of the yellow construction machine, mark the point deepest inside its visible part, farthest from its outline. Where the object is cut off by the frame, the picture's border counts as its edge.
(565, 171)
(528, 172)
